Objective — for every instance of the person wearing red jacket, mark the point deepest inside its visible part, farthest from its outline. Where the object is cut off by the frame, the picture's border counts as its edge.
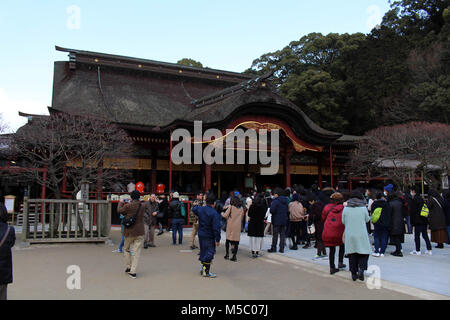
(333, 230)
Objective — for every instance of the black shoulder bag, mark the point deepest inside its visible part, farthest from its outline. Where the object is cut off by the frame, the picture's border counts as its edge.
(4, 237)
(129, 222)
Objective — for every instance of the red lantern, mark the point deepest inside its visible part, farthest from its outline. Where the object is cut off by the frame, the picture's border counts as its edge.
(160, 188)
(140, 187)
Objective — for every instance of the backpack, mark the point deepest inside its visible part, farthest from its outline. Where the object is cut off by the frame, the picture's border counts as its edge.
(333, 222)
(376, 215)
(183, 210)
(129, 222)
(425, 211)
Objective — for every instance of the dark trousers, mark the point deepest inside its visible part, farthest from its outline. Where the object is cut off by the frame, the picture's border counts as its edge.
(332, 254)
(207, 249)
(279, 230)
(380, 236)
(358, 262)
(421, 230)
(319, 243)
(409, 227)
(3, 291)
(234, 249)
(177, 226)
(304, 231)
(295, 232)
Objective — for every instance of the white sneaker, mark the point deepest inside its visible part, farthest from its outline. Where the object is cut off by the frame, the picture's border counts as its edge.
(375, 254)
(381, 254)
(416, 253)
(429, 252)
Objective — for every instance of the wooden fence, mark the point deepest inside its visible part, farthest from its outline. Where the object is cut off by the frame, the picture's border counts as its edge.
(53, 221)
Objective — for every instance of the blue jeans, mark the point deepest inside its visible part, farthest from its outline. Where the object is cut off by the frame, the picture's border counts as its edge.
(380, 236)
(121, 244)
(177, 226)
(123, 239)
(448, 234)
(408, 224)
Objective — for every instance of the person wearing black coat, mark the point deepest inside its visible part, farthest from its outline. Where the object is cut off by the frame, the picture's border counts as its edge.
(256, 225)
(280, 219)
(438, 225)
(174, 212)
(7, 241)
(419, 222)
(315, 217)
(447, 212)
(381, 227)
(397, 225)
(163, 205)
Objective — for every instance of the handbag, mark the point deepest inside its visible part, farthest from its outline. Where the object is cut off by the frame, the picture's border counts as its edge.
(130, 221)
(5, 236)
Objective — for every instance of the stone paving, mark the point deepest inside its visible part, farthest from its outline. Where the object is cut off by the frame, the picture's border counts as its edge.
(431, 273)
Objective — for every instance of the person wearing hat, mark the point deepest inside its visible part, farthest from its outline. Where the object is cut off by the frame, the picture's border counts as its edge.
(333, 230)
(174, 211)
(134, 235)
(388, 189)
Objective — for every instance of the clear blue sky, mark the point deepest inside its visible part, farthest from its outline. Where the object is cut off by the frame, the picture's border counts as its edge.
(226, 35)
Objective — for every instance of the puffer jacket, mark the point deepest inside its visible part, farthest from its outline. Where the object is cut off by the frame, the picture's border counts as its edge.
(385, 217)
(279, 211)
(296, 211)
(174, 210)
(333, 228)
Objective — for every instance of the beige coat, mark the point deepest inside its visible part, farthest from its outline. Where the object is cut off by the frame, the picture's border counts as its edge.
(296, 211)
(234, 222)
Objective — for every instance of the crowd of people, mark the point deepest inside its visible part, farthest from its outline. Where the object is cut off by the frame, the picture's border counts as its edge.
(343, 223)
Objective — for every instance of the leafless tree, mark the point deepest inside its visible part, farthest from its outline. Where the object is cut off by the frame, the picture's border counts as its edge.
(76, 143)
(402, 152)
(3, 125)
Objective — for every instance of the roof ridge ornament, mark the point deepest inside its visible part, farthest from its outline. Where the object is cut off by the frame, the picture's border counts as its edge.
(252, 84)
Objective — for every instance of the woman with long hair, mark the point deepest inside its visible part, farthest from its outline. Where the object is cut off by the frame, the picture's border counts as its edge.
(436, 217)
(256, 215)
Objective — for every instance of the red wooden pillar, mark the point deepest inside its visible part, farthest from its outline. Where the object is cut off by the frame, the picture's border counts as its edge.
(64, 182)
(44, 179)
(100, 183)
(207, 169)
(287, 165)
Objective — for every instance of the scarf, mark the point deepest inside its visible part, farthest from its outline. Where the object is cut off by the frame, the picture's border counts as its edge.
(355, 202)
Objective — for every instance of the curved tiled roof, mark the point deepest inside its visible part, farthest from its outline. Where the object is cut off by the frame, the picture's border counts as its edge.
(146, 93)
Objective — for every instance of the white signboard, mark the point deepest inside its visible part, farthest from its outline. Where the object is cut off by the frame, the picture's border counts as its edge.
(9, 203)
